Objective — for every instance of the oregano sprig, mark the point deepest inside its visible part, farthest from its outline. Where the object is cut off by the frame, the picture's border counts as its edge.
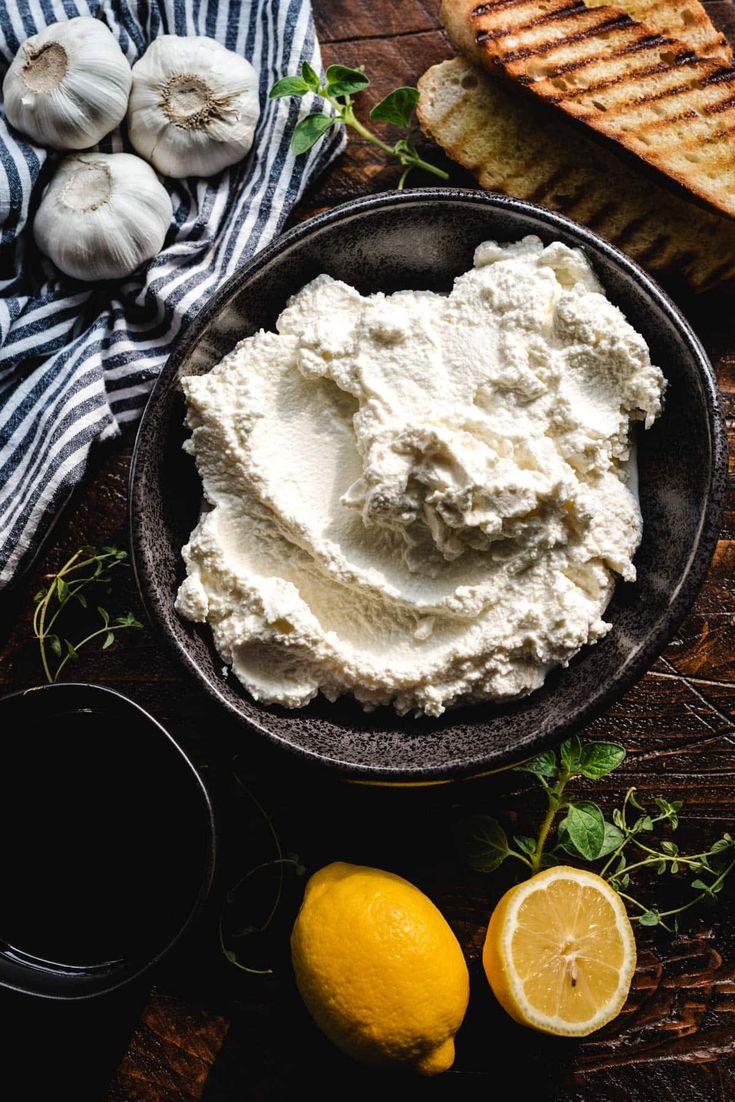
(337, 88)
(576, 829)
(88, 569)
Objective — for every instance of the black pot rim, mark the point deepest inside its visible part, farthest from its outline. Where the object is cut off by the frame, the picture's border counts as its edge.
(210, 856)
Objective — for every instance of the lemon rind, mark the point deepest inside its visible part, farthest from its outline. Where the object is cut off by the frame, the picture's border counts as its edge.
(524, 1010)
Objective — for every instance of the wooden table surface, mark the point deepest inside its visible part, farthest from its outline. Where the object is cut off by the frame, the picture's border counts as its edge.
(207, 1031)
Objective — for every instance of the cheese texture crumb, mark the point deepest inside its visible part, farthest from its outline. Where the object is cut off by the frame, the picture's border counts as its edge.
(420, 499)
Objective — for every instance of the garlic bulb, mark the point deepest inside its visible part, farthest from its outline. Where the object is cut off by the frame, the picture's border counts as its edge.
(194, 106)
(102, 215)
(69, 85)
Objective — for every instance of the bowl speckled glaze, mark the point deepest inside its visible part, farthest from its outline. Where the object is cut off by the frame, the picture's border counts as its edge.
(423, 239)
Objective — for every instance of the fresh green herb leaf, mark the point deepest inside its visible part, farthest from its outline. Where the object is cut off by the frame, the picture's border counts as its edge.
(128, 621)
(583, 833)
(86, 567)
(620, 883)
(297, 868)
(397, 107)
(543, 765)
(669, 810)
(310, 77)
(343, 81)
(482, 843)
(289, 86)
(597, 759)
(236, 917)
(562, 839)
(586, 829)
(525, 844)
(309, 131)
(570, 753)
(612, 838)
(109, 640)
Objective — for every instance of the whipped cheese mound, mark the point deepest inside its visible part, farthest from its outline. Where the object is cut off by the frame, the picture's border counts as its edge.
(420, 499)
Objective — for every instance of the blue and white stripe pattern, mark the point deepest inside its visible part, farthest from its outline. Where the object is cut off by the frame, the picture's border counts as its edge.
(78, 360)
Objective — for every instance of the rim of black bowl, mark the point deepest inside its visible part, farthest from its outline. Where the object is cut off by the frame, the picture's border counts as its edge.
(210, 847)
(548, 733)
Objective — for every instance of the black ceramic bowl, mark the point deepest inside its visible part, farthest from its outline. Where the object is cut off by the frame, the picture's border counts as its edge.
(107, 841)
(423, 239)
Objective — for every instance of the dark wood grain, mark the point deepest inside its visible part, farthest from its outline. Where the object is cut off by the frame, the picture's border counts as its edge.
(208, 1032)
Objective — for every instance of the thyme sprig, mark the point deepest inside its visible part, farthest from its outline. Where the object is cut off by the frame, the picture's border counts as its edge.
(337, 88)
(576, 829)
(88, 569)
(233, 903)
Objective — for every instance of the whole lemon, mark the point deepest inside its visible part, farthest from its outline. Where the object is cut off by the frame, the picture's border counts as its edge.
(379, 969)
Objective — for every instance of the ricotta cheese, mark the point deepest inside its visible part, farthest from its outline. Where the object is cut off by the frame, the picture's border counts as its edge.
(420, 499)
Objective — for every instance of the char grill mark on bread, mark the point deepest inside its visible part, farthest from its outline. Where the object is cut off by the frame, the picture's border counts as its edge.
(687, 21)
(517, 145)
(648, 91)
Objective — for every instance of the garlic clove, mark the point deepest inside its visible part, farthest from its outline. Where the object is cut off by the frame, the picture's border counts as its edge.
(193, 106)
(68, 86)
(102, 215)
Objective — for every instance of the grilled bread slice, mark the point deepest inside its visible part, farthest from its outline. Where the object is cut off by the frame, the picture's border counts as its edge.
(516, 145)
(649, 92)
(686, 20)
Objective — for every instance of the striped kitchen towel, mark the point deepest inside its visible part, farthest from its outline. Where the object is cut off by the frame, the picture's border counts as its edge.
(77, 360)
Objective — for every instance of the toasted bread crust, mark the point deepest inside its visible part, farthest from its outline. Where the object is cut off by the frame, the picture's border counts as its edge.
(649, 92)
(516, 145)
(687, 21)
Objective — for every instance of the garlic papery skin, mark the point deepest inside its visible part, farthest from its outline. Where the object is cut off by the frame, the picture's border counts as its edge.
(193, 107)
(69, 85)
(102, 215)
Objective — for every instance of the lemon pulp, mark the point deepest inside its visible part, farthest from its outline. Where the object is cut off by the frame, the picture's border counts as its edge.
(560, 952)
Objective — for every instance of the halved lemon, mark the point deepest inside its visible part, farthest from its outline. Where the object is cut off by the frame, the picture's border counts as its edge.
(560, 952)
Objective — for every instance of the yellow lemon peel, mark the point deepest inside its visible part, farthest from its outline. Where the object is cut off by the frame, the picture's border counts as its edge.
(379, 968)
(560, 952)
